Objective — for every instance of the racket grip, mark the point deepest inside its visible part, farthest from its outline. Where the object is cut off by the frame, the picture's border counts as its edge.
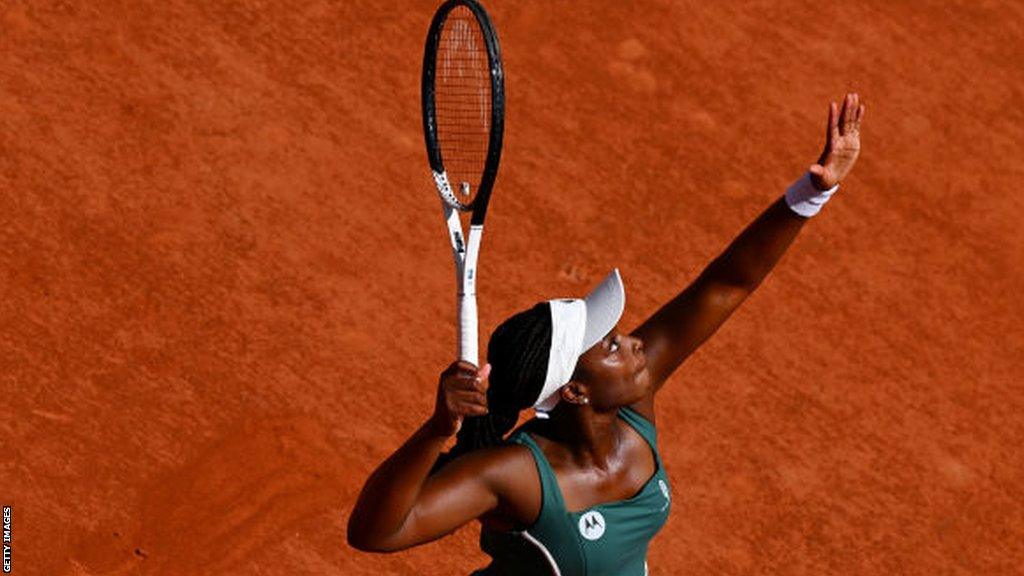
(468, 351)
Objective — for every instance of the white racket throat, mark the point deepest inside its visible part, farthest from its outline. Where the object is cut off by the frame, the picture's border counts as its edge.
(465, 252)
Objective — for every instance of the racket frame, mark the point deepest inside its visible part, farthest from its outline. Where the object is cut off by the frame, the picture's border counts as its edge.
(464, 250)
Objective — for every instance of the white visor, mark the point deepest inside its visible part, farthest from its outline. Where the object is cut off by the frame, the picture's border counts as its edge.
(576, 325)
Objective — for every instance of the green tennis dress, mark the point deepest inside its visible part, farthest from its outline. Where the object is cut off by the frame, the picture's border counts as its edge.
(604, 540)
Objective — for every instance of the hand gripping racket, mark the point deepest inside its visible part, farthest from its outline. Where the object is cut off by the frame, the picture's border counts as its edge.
(463, 91)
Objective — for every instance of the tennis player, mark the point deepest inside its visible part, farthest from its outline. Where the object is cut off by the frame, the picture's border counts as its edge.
(580, 489)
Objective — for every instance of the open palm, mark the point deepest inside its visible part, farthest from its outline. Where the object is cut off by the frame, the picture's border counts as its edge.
(842, 143)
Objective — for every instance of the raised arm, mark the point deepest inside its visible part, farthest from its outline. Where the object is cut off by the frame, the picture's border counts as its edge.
(401, 504)
(679, 327)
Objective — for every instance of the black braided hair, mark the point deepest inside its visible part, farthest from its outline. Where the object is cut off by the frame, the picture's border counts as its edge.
(518, 355)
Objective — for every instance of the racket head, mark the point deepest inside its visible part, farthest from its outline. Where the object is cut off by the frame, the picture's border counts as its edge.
(463, 93)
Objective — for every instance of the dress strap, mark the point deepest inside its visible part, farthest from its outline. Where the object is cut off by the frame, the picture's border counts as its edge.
(551, 494)
(642, 425)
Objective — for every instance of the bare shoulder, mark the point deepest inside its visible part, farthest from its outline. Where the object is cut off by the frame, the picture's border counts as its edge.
(504, 461)
(503, 468)
(511, 473)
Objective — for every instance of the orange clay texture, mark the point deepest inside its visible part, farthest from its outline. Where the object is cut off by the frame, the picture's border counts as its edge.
(226, 292)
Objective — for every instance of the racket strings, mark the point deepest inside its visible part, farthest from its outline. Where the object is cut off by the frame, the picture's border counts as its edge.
(463, 100)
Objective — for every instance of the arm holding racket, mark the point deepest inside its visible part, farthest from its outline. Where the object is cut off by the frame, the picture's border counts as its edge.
(462, 91)
(685, 322)
(403, 505)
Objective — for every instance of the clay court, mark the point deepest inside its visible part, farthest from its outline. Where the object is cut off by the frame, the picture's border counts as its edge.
(226, 292)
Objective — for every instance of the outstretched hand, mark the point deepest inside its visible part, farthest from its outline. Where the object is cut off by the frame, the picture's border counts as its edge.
(842, 143)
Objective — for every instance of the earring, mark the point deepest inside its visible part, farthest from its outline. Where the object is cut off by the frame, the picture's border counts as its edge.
(586, 400)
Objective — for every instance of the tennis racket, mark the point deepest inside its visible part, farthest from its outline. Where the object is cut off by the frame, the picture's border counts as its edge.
(463, 90)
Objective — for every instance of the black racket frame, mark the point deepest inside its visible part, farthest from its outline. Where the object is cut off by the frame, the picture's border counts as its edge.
(497, 75)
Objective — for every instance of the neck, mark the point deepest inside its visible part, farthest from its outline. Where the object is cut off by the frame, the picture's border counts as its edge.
(592, 438)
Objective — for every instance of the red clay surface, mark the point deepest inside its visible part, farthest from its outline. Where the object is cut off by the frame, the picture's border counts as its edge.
(226, 293)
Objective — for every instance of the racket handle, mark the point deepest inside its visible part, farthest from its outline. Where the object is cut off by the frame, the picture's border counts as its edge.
(468, 344)
(468, 351)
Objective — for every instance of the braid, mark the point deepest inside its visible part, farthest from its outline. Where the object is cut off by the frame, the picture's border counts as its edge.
(518, 355)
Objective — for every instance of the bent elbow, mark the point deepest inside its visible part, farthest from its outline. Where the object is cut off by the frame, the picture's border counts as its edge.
(355, 536)
(358, 541)
(365, 542)
(371, 546)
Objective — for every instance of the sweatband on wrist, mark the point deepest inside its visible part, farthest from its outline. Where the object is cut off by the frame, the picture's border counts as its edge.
(805, 199)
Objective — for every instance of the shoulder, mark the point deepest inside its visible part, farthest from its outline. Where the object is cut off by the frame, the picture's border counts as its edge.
(491, 461)
(508, 459)
(510, 472)
(502, 467)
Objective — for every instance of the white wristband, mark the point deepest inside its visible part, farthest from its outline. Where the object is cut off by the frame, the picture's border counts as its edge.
(805, 199)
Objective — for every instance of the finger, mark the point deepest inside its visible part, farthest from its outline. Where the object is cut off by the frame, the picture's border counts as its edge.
(459, 402)
(462, 371)
(482, 378)
(467, 367)
(478, 398)
(459, 378)
(828, 125)
(860, 115)
(484, 372)
(851, 111)
(857, 113)
(842, 115)
(459, 367)
(477, 404)
(469, 397)
(833, 123)
(462, 384)
(462, 409)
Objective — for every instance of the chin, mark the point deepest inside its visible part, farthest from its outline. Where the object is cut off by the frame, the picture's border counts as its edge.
(643, 373)
(644, 379)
